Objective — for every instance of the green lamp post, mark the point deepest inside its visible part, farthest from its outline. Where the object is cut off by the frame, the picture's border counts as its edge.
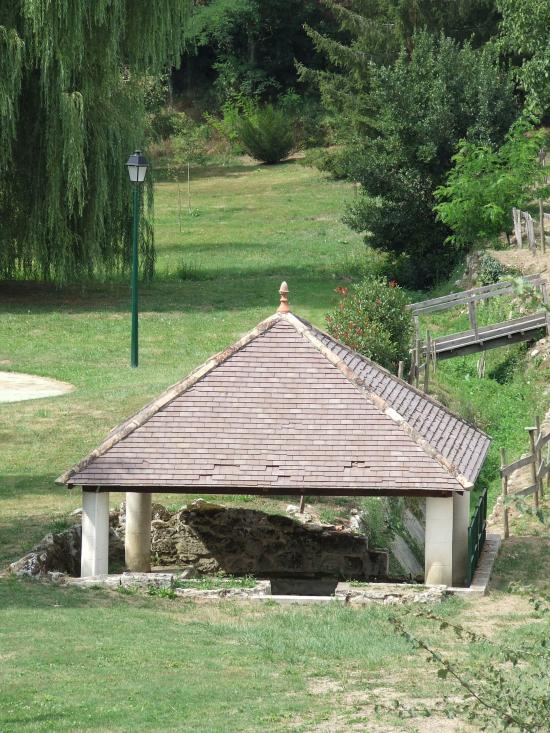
(137, 168)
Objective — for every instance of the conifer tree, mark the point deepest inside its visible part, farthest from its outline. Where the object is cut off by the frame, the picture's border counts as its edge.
(71, 110)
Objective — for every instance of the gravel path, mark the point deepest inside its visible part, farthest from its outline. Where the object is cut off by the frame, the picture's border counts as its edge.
(15, 387)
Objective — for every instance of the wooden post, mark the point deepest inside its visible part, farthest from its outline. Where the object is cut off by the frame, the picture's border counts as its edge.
(544, 293)
(506, 526)
(473, 316)
(434, 357)
(541, 221)
(427, 362)
(530, 232)
(413, 362)
(516, 213)
(417, 362)
(302, 503)
(400, 369)
(539, 457)
(481, 365)
(532, 432)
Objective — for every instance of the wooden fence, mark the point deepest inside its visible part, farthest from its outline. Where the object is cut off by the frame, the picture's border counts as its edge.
(539, 470)
(424, 354)
(524, 224)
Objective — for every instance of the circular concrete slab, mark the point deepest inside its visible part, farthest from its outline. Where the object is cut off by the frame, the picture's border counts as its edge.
(15, 387)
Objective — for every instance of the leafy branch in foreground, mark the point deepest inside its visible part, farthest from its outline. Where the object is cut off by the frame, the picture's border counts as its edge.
(503, 688)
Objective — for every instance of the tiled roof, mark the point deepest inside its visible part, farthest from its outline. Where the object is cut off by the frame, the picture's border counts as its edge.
(461, 443)
(289, 409)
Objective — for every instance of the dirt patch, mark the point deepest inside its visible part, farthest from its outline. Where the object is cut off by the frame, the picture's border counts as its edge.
(523, 260)
(16, 387)
(323, 685)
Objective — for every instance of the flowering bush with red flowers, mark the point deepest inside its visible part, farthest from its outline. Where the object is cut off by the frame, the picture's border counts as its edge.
(372, 319)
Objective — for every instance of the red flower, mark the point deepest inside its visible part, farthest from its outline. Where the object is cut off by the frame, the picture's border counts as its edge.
(341, 290)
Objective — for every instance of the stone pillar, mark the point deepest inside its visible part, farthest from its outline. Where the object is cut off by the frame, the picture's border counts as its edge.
(94, 558)
(137, 543)
(438, 552)
(461, 519)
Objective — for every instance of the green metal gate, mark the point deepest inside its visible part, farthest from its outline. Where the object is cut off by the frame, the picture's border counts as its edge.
(477, 530)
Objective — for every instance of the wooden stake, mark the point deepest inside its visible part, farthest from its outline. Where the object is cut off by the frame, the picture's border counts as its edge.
(532, 432)
(539, 457)
(541, 222)
(179, 204)
(302, 503)
(544, 293)
(504, 480)
(427, 362)
(400, 369)
(473, 316)
(188, 188)
(411, 370)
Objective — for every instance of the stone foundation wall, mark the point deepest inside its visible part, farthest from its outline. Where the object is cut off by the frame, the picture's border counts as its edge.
(236, 541)
(209, 538)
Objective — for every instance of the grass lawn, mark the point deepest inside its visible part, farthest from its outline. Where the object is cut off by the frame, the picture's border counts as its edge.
(251, 228)
(73, 660)
(77, 660)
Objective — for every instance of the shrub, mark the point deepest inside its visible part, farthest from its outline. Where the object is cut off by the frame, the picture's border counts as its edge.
(485, 183)
(372, 319)
(266, 134)
(399, 124)
(167, 123)
(490, 270)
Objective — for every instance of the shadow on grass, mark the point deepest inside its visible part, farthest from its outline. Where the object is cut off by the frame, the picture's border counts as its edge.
(228, 290)
(25, 593)
(523, 562)
(218, 171)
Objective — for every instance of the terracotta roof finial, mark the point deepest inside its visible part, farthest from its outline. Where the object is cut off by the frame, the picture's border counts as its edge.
(283, 305)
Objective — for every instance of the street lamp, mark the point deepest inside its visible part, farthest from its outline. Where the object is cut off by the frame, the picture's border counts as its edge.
(137, 168)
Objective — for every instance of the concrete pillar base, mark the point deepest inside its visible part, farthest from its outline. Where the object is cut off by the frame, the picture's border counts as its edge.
(94, 558)
(438, 553)
(461, 519)
(137, 544)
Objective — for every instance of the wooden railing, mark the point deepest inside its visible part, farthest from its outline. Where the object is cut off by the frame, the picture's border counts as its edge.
(473, 296)
(540, 469)
(477, 338)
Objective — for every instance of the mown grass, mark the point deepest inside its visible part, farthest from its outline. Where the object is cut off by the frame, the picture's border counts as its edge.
(93, 660)
(77, 660)
(255, 226)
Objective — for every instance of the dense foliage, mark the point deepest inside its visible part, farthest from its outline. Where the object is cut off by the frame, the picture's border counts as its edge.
(372, 319)
(266, 134)
(485, 183)
(247, 47)
(524, 35)
(408, 119)
(71, 110)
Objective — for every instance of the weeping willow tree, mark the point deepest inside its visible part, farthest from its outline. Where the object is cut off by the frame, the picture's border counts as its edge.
(72, 80)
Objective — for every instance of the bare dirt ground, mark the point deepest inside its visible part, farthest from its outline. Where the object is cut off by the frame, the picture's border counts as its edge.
(524, 260)
(15, 387)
